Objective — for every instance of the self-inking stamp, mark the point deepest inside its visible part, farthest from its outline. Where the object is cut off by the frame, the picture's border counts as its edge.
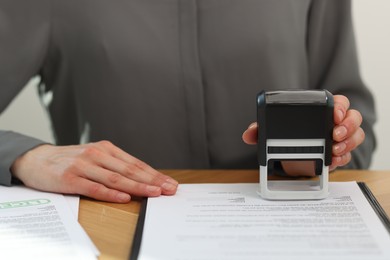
(294, 125)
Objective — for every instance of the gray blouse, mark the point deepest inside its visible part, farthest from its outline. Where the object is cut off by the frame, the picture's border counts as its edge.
(173, 82)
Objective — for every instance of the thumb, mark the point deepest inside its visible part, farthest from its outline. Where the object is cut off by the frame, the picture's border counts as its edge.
(250, 135)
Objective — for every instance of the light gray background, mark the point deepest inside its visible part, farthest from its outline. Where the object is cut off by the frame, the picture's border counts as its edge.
(372, 26)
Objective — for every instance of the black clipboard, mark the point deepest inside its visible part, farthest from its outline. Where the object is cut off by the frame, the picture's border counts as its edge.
(141, 219)
(375, 205)
(139, 230)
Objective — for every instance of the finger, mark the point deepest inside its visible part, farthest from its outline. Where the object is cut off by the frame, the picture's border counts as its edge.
(141, 172)
(341, 106)
(122, 155)
(136, 169)
(98, 191)
(349, 144)
(118, 182)
(250, 134)
(348, 126)
(299, 168)
(340, 160)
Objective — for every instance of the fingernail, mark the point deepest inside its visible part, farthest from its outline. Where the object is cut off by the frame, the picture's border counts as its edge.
(341, 131)
(340, 114)
(123, 197)
(336, 160)
(339, 148)
(253, 125)
(172, 181)
(152, 189)
(168, 186)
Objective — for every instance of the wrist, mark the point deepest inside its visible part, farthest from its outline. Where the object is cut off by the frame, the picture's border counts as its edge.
(21, 163)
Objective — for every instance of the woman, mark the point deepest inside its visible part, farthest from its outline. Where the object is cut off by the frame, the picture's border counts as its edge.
(172, 83)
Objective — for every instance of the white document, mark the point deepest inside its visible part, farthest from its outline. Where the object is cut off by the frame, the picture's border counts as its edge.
(74, 203)
(40, 225)
(231, 221)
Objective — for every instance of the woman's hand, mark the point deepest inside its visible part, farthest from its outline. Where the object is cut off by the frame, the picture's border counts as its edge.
(347, 135)
(98, 170)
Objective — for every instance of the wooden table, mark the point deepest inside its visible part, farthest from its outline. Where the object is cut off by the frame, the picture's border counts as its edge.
(111, 226)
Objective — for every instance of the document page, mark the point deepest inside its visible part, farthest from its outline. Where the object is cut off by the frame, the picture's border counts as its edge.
(40, 225)
(231, 221)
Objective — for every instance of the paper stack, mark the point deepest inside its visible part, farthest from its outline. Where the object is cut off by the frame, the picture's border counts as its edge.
(41, 225)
